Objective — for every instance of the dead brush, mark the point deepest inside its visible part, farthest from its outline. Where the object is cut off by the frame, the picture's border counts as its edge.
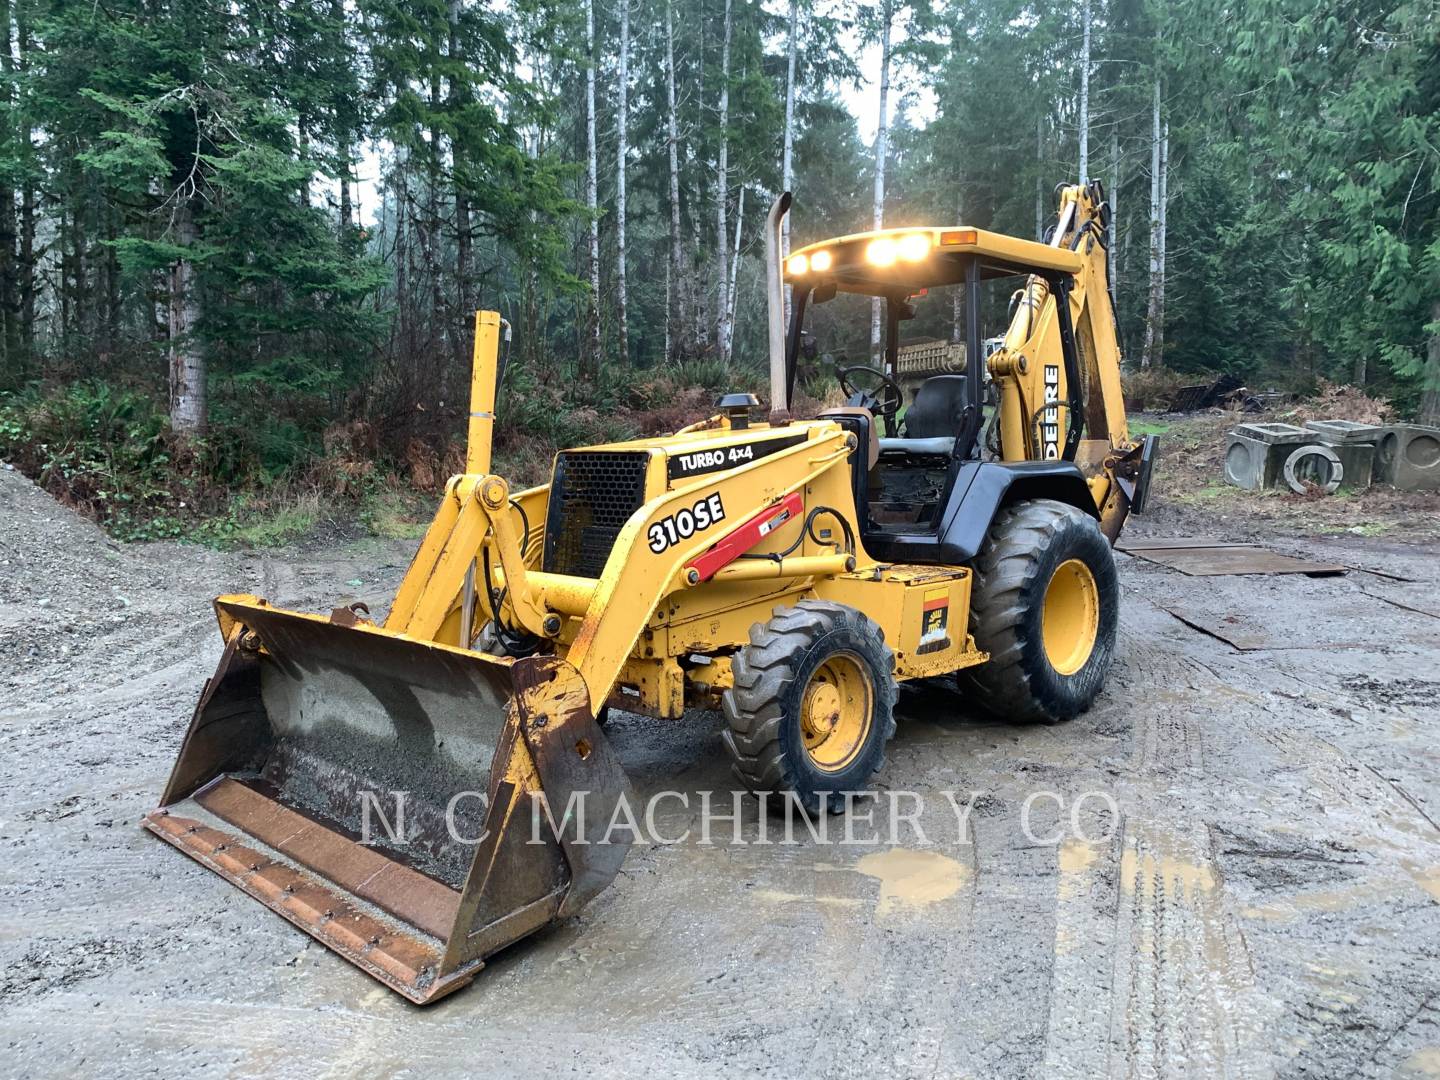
(1334, 401)
(1154, 389)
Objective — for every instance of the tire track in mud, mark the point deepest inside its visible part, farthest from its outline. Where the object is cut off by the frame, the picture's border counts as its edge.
(1077, 1034)
(1184, 985)
(1153, 976)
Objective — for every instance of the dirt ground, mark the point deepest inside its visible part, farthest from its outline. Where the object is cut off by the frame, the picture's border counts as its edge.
(1267, 904)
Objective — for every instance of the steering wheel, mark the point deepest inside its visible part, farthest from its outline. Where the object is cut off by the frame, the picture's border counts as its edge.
(882, 394)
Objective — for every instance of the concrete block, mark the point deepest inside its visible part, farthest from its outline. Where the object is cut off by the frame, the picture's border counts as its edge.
(1408, 457)
(1314, 466)
(1354, 445)
(1272, 433)
(1255, 454)
(1334, 432)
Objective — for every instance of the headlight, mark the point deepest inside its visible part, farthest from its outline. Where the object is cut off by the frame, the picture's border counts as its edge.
(914, 247)
(798, 264)
(880, 251)
(820, 261)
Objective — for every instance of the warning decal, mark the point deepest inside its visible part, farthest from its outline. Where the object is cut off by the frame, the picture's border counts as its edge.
(935, 620)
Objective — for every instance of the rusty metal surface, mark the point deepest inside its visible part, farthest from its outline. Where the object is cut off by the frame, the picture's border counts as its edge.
(1215, 560)
(363, 871)
(306, 717)
(1135, 545)
(408, 963)
(572, 755)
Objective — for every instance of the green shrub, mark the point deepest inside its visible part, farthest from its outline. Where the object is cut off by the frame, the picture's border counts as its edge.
(101, 449)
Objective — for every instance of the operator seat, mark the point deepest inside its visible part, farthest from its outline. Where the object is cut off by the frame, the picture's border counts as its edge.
(933, 418)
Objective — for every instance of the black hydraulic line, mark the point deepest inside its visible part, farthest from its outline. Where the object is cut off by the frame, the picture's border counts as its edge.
(497, 599)
(1061, 291)
(808, 529)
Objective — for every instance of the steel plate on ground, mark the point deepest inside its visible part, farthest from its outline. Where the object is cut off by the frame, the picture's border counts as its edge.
(1214, 560)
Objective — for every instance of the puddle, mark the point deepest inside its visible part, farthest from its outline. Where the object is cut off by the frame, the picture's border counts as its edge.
(1075, 857)
(1169, 875)
(1424, 1062)
(1428, 878)
(1360, 893)
(912, 879)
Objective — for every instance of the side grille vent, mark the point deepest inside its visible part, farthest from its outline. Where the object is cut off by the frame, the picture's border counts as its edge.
(592, 495)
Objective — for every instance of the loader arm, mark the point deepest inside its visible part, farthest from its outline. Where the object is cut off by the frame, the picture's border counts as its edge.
(647, 563)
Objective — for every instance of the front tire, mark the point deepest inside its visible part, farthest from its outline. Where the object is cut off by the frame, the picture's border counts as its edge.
(1045, 605)
(812, 704)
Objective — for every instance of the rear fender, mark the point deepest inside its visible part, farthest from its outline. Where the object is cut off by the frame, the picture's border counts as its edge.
(994, 486)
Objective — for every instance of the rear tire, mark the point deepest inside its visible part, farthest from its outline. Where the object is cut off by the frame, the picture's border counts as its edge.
(812, 705)
(1045, 666)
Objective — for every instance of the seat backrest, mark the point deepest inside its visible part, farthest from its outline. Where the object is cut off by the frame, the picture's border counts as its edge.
(937, 408)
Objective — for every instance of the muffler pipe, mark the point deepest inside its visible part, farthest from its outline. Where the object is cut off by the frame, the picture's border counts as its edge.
(775, 293)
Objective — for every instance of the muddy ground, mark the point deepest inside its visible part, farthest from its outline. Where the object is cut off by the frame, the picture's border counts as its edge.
(1268, 903)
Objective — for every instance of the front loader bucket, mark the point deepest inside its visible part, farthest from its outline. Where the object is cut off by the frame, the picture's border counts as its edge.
(377, 790)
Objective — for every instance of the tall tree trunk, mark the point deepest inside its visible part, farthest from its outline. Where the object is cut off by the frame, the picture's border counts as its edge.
(722, 184)
(1155, 307)
(678, 315)
(1085, 93)
(787, 153)
(347, 209)
(464, 242)
(187, 360)
(108, 323)
(441, 327)
(347, 139)
(882, 151)
(957, 296)
(1040, 177)
(84, 297)
(27, 198)
(9, 268)
(302, 129)
(590, 349)
(622, 152)
(734, 273)
(1430, 376)
(399, 187)
(700, 267)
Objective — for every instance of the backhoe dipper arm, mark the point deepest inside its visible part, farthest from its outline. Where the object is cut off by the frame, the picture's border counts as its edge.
(1044, 412)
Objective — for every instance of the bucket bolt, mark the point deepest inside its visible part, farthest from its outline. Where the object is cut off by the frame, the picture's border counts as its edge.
(551, 625)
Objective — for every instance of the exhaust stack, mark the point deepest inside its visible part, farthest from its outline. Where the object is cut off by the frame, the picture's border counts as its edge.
(775, 294)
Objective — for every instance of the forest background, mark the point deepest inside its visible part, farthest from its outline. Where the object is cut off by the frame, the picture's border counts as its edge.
(241, 242)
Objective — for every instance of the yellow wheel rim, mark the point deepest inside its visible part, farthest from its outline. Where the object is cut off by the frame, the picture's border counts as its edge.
(836, 712)
(1070, 620)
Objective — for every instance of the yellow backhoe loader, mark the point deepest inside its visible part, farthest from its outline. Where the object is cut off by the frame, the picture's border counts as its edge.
(378, 784)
